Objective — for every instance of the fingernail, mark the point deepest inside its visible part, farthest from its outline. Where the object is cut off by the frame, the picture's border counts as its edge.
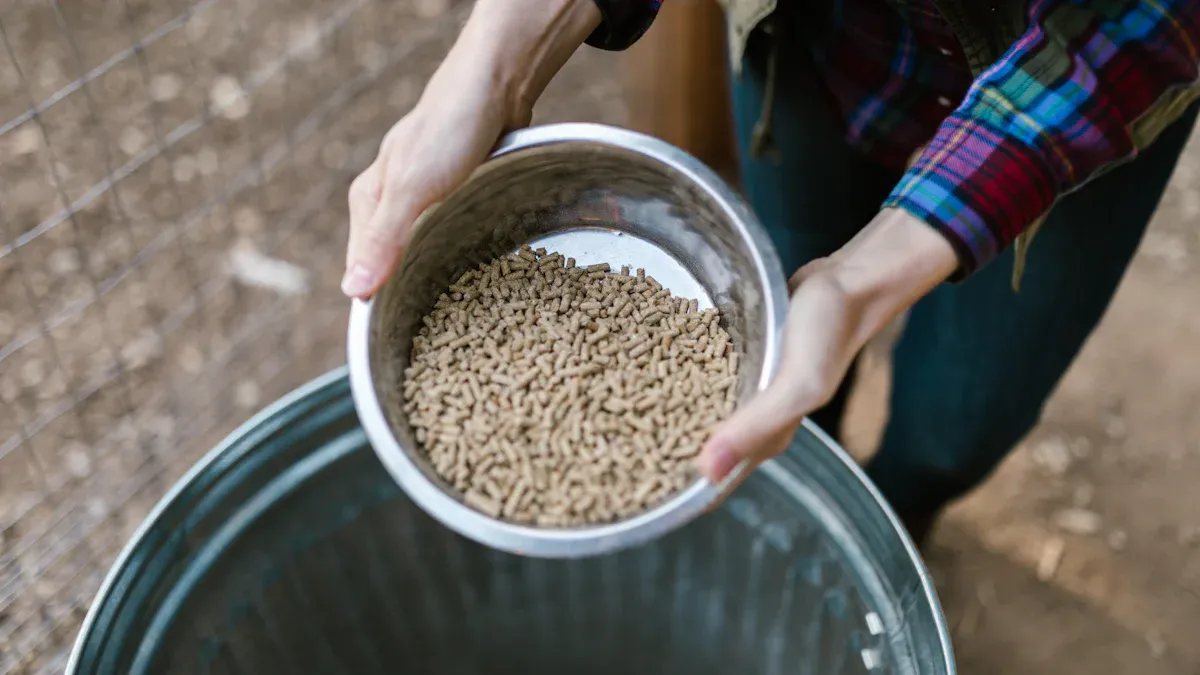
(717, 461)
(357, 282)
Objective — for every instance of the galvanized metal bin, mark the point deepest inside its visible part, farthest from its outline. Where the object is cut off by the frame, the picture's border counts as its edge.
(289, 549)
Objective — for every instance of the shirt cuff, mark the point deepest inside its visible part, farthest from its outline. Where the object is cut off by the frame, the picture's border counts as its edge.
(977, 186)
(623, 22)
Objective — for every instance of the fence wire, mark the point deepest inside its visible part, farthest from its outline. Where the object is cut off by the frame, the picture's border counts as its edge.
(172, 181)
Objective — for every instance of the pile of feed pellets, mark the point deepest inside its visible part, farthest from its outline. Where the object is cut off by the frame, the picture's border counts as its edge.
(558, 396)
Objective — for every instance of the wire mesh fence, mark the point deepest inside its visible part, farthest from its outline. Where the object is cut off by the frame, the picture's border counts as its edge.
(172, 181)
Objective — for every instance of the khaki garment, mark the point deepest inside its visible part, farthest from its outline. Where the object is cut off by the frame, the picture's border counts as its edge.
(741, 18)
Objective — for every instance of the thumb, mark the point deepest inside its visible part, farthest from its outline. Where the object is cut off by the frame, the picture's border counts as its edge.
(375, 246)
(759, 430)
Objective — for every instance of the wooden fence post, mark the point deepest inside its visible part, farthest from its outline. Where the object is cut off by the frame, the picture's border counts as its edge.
(677, 83)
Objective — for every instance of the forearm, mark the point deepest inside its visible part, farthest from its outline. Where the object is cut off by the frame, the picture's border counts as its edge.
(1082, 91)
(515, 47)
(889, 265)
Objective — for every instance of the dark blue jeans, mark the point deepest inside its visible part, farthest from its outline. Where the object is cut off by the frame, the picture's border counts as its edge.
(976, 361)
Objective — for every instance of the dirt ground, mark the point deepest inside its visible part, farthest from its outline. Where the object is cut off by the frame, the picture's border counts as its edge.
(170, 245)
(1082, 554)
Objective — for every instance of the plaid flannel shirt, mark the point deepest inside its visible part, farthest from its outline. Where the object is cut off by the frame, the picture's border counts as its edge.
(1057, 109)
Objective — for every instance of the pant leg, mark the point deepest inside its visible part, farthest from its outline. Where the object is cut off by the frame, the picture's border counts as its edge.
(814, 192)
(977, 362)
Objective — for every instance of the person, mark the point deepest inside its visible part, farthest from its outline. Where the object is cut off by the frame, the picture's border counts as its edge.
(903, 154)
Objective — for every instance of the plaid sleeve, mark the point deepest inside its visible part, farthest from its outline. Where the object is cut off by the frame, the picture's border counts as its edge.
(1059, 107)
(624, 21)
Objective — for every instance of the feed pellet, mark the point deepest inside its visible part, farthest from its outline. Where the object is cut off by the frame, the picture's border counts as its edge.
(559, 395)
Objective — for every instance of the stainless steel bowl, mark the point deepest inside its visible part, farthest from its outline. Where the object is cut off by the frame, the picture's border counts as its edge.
(598, 194)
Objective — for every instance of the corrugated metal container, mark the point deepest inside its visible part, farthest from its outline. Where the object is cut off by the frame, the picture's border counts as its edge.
(289, 549)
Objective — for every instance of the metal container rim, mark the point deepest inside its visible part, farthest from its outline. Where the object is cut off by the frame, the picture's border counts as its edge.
(261, 424)
(225, 456)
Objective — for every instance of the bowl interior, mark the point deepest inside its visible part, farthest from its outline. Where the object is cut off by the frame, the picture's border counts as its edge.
(573, 191)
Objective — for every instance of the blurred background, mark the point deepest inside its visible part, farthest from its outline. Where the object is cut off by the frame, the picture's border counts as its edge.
(172, 222)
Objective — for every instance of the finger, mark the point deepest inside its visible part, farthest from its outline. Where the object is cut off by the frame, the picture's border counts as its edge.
(364, 196)
(363, 200)
(727, 490)
(760, 429)
(375, 244)
(805, 271)
(763, 427)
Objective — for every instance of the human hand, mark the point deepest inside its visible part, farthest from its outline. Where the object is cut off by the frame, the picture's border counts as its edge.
(427, 154)
(838, 303)
(507, 53)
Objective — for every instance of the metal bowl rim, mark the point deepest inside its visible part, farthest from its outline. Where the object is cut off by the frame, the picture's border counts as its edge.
(591, 540)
